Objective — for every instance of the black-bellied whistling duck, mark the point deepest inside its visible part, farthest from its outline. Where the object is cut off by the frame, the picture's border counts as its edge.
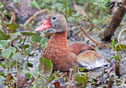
(63, 55)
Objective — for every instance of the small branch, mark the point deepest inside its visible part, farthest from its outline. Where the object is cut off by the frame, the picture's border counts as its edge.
(117, 68)
(38, 76)
(34, 16)
(44, 77)
(13, 17)
(63, 75)
(70, 75)
(96, 42)
(36, 79)
(111, 81)
(119, 38)
(2, 23)
(70, 82)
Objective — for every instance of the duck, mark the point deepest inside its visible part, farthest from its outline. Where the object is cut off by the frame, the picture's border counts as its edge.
(63, 55)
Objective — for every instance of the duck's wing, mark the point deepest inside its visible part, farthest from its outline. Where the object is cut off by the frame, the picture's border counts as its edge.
(79, 47)
(91, 59)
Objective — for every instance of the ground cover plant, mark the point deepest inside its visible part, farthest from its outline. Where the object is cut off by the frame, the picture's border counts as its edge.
(21, 64)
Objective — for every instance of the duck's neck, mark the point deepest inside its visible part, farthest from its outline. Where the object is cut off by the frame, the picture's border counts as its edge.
(59, 38)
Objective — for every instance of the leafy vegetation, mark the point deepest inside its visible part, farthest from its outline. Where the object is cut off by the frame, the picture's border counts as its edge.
(21, 47)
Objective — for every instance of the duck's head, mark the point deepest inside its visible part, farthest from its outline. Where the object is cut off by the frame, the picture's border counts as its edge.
(56, 21)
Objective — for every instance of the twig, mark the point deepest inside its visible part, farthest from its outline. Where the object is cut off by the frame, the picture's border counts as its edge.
(36, 79)
(44, 77)
(96, 42)
(117, 68)
(70, 82)
(100, 79)
(2, 23)
(70, 75)
(119, 37)
(17, 66)
(111, 81)
(13, 17)
(64, 74)
(32, 17)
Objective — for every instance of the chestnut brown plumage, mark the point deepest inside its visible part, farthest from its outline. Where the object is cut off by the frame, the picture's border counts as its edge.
(64, 55)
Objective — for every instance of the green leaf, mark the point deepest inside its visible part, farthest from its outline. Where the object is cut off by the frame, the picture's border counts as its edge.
(35, 4)
(1, 32)
(81, 80)
(3, 43)
(3, 64)
(43, 42)
(36, 38)
(17, 57)
(15, 35)
(27, 51)
(1, 79)
(45, 66)
(26, 46)
(2, 74)
(29, 33)
(71, 19)
(117, 57)
(6, 53)
(12, 64)
(28, 76)
(12, 27)
(29, 64)
(4, 37)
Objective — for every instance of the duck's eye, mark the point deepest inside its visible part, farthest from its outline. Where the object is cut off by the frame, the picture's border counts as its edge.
(54, 18)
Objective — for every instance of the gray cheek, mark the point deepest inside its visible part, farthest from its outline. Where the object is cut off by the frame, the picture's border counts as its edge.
(53, 24)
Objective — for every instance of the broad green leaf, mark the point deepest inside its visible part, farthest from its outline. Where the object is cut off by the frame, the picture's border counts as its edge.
(28, 75)
(43, 42)
(6, 53)
(36, 38)
(2, 74)
(1, 32)
(17, 57)
(35, 4)
(29, 33)
(4, 43)
(1, 79)
(45, 66)
(81, 80)
(3, 64)
(12, 27)
(29, 64)
(4, 37)
(12, 64)
(26, 46)
(15, 35)
(27, 51)
(117, 57)
(71, 19)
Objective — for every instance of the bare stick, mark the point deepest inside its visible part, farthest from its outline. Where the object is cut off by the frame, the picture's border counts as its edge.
(119, 38)
(70, 82)
(2, 23)
(96, 42)
(13, 17)
(32, 17)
